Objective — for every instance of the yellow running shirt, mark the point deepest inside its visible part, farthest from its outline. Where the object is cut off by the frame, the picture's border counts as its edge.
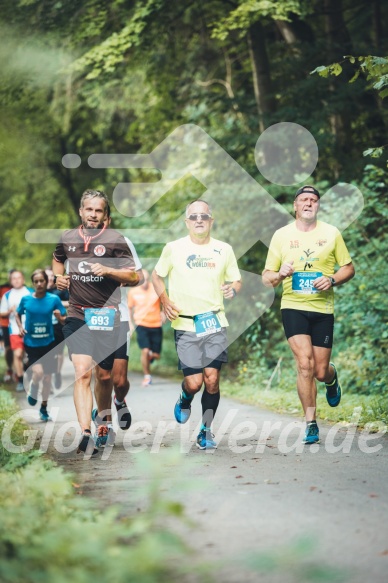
(314, 253)
(195, 275)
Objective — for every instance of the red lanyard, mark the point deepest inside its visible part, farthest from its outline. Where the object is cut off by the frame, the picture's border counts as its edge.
(88, 238)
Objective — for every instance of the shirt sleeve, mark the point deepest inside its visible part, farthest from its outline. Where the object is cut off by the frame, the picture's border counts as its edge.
(21, 307)
(163, 266)
(232, 272)
(274, 256)
(341, 252)
(59, 306)
(130, 300)
(60, 253)
(122, 253)
(4, 303)
(135, 256)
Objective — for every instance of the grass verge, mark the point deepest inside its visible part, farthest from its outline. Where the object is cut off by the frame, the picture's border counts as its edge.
(365, 409)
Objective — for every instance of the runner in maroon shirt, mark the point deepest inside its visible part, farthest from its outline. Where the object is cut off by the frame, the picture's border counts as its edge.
(97, 261)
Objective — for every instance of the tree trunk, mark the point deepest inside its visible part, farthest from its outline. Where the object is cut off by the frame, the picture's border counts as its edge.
(262, 85)
(338, 44)
(64, 177)
(295, 31)
(377, 24)
(338, 38)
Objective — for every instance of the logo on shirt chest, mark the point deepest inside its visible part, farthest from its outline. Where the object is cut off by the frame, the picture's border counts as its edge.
(99, 250)
(196, 261)
(308, 258)
(294, 244)
(84, 267)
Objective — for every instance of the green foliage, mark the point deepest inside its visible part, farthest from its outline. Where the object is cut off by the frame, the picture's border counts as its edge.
(51, 533)
(48, 533)
(334, 69)
(362, 305)
(9, 409)
(249, 11)
(105, 57)
(374, 68)
(373, 152)
(293, 562)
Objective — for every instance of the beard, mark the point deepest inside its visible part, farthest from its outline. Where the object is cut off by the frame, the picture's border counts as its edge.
(94, 226)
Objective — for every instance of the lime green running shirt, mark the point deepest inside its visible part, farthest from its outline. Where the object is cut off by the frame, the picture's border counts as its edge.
(313, 252)
(195, 274)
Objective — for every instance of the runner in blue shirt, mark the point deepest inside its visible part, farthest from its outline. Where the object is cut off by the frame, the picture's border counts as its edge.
(38, 336)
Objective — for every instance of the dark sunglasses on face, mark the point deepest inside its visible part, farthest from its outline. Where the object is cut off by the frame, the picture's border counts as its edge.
(199, 217)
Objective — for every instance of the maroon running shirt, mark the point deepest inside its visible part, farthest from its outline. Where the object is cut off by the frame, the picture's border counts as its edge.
(79, 248)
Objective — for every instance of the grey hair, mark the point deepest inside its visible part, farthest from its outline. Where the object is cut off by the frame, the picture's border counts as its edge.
(198, 200)
(94, 194)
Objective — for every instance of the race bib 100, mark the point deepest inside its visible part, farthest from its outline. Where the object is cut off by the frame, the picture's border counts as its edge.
(207, 323)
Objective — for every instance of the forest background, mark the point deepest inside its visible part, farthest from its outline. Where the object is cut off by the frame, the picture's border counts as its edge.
(89, 76)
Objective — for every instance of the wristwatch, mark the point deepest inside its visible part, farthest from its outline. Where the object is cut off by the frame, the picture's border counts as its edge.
(332, 281)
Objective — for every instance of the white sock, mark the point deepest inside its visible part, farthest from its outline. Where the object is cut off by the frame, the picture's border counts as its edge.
(99, 421)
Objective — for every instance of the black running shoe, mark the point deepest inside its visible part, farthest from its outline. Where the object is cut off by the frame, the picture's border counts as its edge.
(123, 416)
(87, 445)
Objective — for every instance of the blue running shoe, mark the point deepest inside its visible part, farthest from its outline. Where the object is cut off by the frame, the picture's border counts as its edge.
(43, 414)
(94, 415)
(312, 433)
(205, 440)
(105, 436)
(182, 409)
(333, 390)
(32, 396)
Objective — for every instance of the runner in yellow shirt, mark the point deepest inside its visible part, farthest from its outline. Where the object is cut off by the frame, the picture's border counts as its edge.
(303, 256)
(201, 272)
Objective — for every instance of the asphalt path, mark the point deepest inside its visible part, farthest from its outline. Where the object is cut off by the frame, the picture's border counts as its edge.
(295, 509)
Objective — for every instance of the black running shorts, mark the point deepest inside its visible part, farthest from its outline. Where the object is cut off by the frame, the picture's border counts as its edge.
(43, 355)
(315, 324)
(6, 340)
(59, 338)
(149, 338)
(121, 352)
